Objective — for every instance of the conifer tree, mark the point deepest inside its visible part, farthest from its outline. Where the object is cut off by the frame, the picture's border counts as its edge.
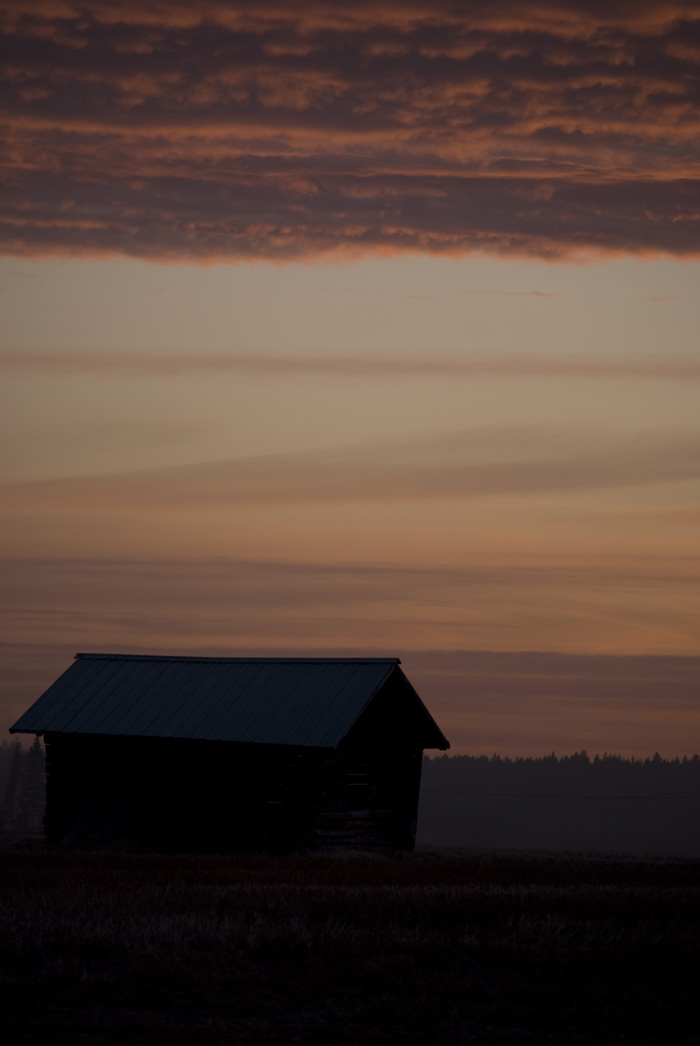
(32, 797)
(10, 802)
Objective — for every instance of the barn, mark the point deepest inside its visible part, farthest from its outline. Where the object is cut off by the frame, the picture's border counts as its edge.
(204, 754)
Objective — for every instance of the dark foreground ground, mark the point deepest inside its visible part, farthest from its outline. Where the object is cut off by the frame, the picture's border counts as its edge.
(164, 951)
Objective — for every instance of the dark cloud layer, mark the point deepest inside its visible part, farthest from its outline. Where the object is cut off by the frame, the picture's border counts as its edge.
(222, 130)
(150, 365)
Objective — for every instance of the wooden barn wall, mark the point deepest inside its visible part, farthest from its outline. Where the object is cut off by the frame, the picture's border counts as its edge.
(212, 796)
(368, 799)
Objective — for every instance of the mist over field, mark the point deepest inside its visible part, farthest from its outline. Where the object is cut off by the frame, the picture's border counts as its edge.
(605, 805)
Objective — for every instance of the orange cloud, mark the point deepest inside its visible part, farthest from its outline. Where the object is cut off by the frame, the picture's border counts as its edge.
(215, 131)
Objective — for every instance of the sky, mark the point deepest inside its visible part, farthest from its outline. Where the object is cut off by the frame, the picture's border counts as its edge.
(360, 329)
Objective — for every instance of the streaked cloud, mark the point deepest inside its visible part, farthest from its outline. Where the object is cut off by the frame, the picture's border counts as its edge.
(213, 131)
(149, 365)
(518, 703)
(530, 702)
(486, 462)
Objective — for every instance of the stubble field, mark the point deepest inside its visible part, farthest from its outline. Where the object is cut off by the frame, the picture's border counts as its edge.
(430, 948)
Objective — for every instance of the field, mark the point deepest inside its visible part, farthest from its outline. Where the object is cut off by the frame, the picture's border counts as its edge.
(431, 948)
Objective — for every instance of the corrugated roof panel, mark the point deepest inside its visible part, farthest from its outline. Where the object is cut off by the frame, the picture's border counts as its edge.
(113, 712)
(345, 709)
(308, 702)
(285, 688)
(241, 694)
(117, 709)
(180, 686)
(305, 693)
(58, 705)
(323, 696)
(214, 690)
(72, 693)
(231, 712)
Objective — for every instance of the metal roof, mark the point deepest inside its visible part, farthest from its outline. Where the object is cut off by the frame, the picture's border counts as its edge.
(309, 702)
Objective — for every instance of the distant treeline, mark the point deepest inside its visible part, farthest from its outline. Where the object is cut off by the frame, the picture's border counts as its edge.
(22, 786)
(605, 804)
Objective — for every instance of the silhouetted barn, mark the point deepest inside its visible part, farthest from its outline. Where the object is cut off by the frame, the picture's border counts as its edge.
(225, 754)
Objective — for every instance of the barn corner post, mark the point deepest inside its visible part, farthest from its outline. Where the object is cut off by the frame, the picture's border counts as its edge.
(414, 768)
(193, 754)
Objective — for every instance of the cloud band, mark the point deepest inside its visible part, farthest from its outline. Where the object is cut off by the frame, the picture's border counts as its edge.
(203, 132)
(144, 365)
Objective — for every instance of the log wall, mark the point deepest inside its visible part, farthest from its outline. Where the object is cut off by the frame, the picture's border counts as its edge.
(201, 796)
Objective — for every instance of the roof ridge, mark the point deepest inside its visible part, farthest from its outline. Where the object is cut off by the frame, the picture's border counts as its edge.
(239, 660)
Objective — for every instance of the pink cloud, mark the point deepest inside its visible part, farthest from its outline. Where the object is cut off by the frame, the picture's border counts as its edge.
(215, 131)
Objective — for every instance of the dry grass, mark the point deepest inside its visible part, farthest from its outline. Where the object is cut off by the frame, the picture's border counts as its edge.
(110, 948)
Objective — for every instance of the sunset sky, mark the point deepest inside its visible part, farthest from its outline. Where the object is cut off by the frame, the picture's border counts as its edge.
(362, 328)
